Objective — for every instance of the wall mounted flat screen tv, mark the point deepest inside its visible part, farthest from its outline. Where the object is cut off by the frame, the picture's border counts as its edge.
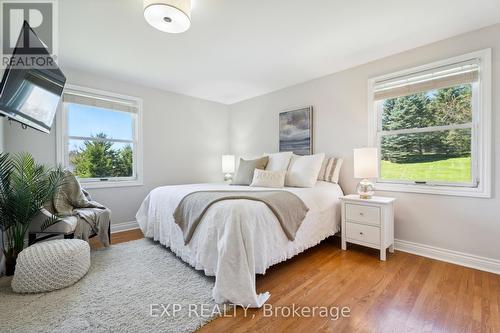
(30, 93)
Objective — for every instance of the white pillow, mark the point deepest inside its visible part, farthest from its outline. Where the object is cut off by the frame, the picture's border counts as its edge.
(264, 178)
(303, 170)
(278, 161)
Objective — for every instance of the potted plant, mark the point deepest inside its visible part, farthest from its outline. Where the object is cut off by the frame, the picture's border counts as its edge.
(25, 186)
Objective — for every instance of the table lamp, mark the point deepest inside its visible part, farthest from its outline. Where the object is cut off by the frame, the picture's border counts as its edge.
(228, 167)
(366, 167)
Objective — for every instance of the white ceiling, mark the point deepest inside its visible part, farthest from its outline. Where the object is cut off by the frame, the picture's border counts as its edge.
(238, 49)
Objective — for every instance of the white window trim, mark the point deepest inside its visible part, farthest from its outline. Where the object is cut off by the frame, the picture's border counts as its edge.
(62, 136)
(482, 126)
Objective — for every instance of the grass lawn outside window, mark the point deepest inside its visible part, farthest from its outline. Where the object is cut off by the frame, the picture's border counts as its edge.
(452, 170)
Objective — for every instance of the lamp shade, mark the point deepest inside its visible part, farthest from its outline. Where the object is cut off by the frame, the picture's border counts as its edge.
(172, 16)
(227, 163)
(366, 163)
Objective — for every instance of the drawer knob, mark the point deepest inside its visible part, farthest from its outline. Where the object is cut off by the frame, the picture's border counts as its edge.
(361, 233)
(362, 214)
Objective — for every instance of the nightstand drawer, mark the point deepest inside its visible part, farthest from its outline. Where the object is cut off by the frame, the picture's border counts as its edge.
(363, 214)
(363, 233)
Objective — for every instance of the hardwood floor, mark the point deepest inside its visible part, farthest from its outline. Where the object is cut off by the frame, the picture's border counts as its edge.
(118, 237)
(407, 293)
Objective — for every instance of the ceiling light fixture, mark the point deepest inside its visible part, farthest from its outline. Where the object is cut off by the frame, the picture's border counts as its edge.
(172, 16)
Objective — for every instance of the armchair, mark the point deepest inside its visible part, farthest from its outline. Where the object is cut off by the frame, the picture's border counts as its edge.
(65, 227)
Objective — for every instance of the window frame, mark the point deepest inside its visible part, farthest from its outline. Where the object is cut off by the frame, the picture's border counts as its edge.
(63, 139)
(481, 143)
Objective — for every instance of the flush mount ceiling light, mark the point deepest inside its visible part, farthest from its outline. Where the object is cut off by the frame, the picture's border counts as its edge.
(172, 16)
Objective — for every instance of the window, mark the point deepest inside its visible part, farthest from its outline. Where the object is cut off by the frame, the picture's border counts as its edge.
(100, 137)
(432, 125)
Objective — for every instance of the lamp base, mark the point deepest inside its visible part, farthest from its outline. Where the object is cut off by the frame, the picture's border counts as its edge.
(365, 189)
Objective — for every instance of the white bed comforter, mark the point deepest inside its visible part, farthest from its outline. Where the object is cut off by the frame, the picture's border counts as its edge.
(239, 238)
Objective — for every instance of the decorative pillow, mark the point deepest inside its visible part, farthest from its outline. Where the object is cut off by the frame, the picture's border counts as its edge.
(264, 178)
(247, 156)
(330, 170)
(278, 161)
(246, 168)
(303, 170)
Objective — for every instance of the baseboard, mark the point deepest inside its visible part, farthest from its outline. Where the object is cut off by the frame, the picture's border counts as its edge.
(454, 257)
(124, 226)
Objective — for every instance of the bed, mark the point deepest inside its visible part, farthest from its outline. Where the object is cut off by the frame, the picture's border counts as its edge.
(237, 239)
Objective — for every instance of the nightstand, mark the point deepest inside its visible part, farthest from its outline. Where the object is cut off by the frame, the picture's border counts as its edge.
(368, 222)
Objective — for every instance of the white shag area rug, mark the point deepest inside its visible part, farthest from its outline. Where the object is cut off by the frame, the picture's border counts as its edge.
(123, 284)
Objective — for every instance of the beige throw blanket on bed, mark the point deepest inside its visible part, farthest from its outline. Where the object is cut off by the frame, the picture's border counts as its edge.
(93, 218)
(288, 208)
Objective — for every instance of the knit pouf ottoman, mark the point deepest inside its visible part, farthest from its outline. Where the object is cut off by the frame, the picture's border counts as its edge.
(51, 265)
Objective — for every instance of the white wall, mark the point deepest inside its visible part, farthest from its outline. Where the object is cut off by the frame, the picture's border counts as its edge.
(340, 124)
(184, 139)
